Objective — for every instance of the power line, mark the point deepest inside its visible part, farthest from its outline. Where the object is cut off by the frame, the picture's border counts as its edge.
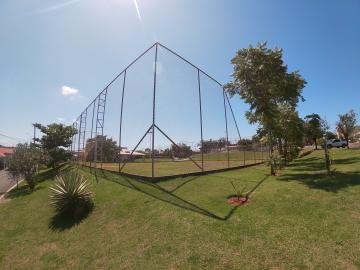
(12, 138)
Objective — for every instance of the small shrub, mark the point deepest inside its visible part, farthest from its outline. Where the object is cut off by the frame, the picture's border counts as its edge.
(70, 194)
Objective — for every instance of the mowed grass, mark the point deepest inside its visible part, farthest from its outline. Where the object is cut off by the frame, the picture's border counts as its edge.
(299, 220)
(167, 167)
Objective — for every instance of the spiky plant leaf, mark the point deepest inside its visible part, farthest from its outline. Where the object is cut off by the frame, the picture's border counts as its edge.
(70, 192)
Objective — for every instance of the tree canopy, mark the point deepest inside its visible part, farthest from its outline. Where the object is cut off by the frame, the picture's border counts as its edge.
(313, 128)
(262, 80)
(346, 125)
(56, 138)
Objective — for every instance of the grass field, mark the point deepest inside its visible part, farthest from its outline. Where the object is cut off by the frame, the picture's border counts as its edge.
(166, 166)
(301, 219)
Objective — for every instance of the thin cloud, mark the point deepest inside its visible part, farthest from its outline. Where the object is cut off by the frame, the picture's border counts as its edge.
(55, 7)
(68, 91)
(60, 119)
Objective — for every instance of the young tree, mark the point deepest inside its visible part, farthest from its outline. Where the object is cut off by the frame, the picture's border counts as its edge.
(261, 79)
(346, 125)
(313, 128)
(24, 162)
(56, 138)
(290, 132)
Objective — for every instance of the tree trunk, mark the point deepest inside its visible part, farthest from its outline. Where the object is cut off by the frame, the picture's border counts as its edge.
(272, 170)
(315, 143)
(280, 145)
(347, 142)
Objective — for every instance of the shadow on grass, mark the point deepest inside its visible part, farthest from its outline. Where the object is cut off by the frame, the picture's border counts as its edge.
(65, 221)
(320, 180)
(157, 192)
(24, 190)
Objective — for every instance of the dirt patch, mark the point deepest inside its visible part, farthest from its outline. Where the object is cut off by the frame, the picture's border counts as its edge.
(236, 200)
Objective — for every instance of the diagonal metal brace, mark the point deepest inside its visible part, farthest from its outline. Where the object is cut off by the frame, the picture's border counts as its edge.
(132, 152)
(163, 133)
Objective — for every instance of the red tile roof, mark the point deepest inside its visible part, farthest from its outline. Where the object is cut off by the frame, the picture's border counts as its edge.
(5, 151)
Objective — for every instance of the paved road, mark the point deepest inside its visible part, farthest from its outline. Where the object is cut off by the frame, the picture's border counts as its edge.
(5, 182)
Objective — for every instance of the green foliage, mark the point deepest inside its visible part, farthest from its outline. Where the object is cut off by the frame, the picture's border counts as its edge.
(56, 138)
(181, 150)
(24, 162)
(262, 80)
(313, 128)
(106, 149)
(213, 145)
(289, 132)
(276, 162)
(330, 135)
(70, 193)
(346, 125)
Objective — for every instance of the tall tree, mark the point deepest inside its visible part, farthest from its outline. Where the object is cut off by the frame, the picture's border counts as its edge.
(56, 138)
(313, 128)
(346, 125)
(262, 80)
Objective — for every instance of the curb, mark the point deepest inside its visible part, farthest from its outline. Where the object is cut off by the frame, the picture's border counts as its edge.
(11, 188)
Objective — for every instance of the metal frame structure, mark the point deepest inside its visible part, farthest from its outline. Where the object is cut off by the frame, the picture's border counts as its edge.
(99, 109)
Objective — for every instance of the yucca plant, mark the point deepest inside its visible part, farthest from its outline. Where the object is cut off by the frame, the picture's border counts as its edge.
(70, 193)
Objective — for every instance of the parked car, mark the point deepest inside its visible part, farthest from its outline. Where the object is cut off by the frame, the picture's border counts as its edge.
(336, 143)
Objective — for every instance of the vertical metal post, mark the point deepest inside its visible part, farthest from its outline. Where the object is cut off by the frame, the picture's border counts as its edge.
(79, 137)
(91, 132)
(121, 116)
(254, 149)
(244, 154)
(227, 136)
(102, 131)
(201, 126)
(153, 122)
(96, 137)
(84, 138)
(34, 134)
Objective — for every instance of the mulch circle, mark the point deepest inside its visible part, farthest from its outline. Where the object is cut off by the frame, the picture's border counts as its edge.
(236, 201)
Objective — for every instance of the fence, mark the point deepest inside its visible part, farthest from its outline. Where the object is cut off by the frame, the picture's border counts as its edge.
(162, 116)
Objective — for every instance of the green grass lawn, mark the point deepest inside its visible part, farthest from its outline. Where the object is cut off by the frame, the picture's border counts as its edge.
(167, 166)
(298, 220)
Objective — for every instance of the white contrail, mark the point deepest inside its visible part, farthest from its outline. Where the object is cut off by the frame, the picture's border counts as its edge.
(137, 10)
(55, 7)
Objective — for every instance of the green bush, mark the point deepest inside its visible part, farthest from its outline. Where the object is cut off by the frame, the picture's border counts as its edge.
(24, 163)
(71, 194)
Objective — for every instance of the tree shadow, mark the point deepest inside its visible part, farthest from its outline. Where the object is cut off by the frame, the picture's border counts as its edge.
(344, 161)
(157, 192)
(21, 191)
(320, 180)
(64, 221)
(24, 190)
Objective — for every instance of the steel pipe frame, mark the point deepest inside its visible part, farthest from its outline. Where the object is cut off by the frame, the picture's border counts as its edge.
(157, 44)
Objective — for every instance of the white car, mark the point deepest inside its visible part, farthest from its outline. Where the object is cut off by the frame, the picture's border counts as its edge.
(336, 143)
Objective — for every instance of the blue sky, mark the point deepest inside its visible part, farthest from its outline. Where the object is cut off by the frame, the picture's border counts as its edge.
(57, 55)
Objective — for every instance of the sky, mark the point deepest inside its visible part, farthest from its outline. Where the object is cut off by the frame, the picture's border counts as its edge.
(56, 55)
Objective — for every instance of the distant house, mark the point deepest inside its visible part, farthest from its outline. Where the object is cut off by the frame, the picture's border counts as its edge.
(125, 154)
(5, 152)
